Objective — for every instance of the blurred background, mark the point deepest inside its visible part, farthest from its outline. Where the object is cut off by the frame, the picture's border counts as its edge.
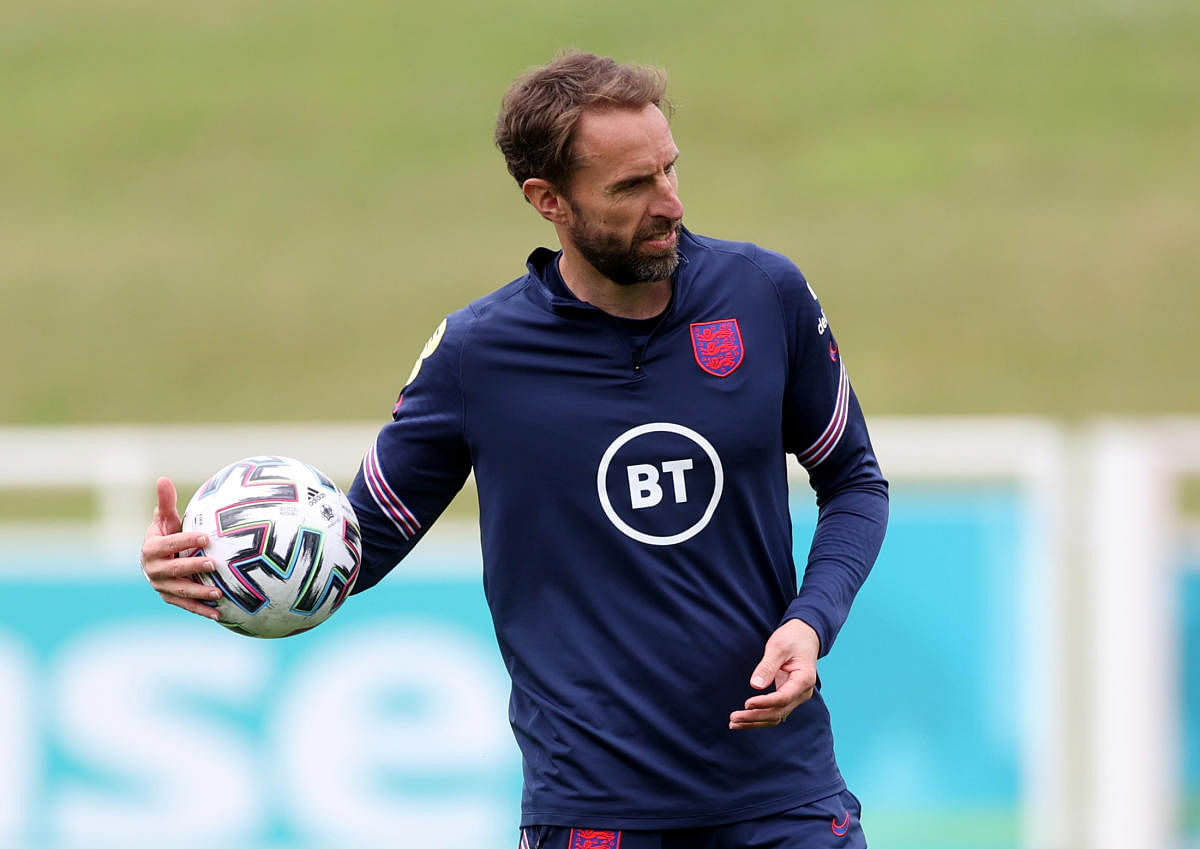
(228, 228)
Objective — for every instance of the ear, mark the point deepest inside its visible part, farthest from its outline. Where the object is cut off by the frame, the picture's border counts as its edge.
(546, 199)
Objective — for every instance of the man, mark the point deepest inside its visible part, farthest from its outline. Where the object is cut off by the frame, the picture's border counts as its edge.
(626, 406)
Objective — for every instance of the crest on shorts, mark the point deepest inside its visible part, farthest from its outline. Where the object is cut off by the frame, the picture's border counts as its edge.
(590, 838)
(718, 346)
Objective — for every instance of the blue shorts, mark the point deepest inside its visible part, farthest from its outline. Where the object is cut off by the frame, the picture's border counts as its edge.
(829, 823)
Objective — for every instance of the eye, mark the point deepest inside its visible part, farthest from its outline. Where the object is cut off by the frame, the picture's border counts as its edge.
(631, 185)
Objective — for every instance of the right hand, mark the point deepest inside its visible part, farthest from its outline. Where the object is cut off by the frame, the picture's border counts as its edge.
(172, 576)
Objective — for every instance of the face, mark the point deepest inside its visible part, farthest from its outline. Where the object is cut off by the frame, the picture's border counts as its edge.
(623, 201)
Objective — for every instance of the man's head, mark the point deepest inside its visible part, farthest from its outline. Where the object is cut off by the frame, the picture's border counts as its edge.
(540, 112)
(588, 141)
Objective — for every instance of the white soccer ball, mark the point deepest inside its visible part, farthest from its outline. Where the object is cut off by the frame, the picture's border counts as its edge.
(285, 541)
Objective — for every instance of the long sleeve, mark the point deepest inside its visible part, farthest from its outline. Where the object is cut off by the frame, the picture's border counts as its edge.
(825, 428)
(418, 462)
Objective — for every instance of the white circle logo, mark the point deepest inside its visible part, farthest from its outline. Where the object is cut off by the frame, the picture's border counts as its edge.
(650, 484)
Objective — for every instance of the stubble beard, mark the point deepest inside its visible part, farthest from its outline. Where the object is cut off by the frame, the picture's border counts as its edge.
(622, 263)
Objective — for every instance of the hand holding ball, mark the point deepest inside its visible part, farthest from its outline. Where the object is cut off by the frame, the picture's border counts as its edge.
(285, 541)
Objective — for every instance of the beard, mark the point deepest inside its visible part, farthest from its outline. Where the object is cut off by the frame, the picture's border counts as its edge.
(623, 263)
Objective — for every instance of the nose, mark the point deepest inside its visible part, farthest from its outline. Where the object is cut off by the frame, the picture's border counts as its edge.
(666, 201)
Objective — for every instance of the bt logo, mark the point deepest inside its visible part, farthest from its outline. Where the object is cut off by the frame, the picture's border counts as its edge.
(660, 483)
(644, 488)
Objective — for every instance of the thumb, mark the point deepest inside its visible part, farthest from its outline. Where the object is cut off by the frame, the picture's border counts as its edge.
(167, 511)
(764, 673)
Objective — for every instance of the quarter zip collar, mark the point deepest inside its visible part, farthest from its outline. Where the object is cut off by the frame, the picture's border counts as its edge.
(543, 271)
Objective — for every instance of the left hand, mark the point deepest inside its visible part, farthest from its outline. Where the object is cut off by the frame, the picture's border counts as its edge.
(790, 662)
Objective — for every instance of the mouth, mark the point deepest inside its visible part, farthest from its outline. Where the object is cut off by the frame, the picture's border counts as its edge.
(662, 241)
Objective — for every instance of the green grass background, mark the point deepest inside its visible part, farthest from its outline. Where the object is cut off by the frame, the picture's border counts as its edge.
(257, 211)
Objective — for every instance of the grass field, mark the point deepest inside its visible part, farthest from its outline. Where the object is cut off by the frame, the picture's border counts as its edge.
(258, 210)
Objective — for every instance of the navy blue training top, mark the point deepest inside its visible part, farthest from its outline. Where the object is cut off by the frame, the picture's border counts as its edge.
(636, 537)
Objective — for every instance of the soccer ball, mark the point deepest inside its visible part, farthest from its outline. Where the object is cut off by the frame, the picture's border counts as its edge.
(285, 541)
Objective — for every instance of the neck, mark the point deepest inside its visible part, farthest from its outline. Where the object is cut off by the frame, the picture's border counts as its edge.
(638, 300)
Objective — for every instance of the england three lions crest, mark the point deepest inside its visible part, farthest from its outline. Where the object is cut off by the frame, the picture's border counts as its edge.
(718, 346)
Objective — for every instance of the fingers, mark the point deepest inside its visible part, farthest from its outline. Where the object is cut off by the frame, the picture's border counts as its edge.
(795, 683)
(200, 608)
(767, 709)
(771, 709)
(175, 583)
(171, 574)
(791, 694)
(174, 577)
(745, 719)
(162, 569)
(177, 588)
(169, 546)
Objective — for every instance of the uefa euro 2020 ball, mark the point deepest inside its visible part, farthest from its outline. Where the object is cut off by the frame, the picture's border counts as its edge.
(285, 542)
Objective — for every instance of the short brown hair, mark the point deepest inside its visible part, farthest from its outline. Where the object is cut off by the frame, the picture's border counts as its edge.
(540, 111)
